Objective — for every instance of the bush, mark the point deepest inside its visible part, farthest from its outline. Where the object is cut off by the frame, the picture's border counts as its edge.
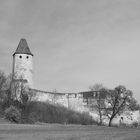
(12, 114)
(86, 119)
(135, 124)
(36, 111)
(74, 118)
(44, 112)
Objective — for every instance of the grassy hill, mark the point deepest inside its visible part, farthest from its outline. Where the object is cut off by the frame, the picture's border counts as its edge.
(45, 112)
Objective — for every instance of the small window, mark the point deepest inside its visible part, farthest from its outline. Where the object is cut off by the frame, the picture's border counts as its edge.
(27, 57)
(20, 56)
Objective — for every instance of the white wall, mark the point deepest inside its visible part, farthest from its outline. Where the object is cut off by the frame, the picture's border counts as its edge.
(23, 68)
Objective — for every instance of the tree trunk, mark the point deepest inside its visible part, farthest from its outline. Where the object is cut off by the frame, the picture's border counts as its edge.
(100, 121)
(110, 121)
(100, 117)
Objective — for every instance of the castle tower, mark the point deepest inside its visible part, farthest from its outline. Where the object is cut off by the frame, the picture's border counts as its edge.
(22, 64)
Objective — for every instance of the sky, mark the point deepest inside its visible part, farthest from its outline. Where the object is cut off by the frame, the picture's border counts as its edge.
(76, 43)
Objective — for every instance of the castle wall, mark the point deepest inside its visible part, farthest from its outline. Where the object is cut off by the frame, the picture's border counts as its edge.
(77, 102)
(71, 101)
(53, 98)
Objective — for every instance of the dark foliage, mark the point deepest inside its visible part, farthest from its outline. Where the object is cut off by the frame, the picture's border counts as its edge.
(36, 111)
(13, 114)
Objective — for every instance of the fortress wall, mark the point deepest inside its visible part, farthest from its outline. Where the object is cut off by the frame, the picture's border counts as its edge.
(76, 102)
(71, 101)
(53, 98)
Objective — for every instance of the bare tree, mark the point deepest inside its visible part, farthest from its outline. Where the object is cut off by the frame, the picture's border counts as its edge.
(100, 100)
(101, 103)
(32, 95)
(21, 91)
(118, 100)
(2, 80)
(2, 84)
(12, 90)
(96, 87)
(5, 92)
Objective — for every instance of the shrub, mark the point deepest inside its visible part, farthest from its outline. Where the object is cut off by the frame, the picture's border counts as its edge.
(74, 118)
(44, 112)
(134, 124)
(12, 114)
(86, 119)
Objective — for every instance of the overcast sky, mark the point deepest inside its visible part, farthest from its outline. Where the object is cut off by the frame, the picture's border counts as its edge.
(76, 43)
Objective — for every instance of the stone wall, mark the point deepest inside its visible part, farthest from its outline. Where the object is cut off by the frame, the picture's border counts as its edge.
(23, 68)
(77, 102)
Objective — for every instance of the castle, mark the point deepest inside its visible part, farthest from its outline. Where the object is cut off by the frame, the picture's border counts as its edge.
(23, 72)
(82, 101)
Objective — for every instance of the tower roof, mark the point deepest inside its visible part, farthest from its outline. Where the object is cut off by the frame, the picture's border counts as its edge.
(23, 48)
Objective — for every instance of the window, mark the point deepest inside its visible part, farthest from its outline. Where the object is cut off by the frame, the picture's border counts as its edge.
(20, 56)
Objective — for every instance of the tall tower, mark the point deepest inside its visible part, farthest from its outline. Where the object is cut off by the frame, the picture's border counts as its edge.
(22, 64)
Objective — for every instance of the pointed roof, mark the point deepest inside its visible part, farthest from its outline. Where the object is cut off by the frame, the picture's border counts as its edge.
(23, 48)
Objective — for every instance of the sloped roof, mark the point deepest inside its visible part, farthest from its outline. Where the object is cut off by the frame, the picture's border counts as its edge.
(23, 48)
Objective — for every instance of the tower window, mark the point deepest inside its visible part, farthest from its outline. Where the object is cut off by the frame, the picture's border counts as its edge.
(27, 57)
(20, 56)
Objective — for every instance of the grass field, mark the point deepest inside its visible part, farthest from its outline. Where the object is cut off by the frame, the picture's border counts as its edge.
(66, 132)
